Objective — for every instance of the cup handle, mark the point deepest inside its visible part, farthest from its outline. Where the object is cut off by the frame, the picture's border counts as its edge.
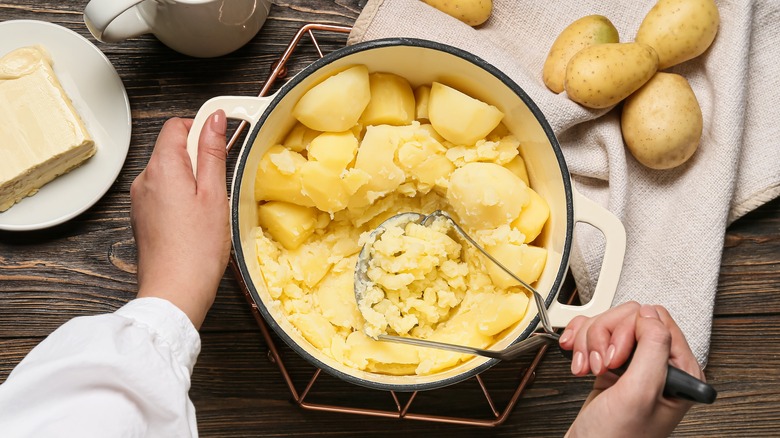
(127, 22)
(592, 213)
(244, 108)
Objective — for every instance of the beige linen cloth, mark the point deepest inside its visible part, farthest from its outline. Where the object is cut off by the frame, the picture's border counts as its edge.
(675, 219)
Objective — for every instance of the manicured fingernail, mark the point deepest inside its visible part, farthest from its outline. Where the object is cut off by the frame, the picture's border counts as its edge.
(564, 337)
(648, 311)
(576, 363)
(610, 355)
(219, 122)
(595, 362)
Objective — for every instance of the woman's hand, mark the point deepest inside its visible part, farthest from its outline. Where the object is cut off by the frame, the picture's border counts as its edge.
(181, 224)
(632, 405)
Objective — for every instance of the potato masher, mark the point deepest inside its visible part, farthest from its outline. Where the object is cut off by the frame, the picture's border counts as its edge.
(678, 383)
(400, 220)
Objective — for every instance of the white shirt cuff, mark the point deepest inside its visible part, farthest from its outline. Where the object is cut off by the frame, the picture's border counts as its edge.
(167, 321)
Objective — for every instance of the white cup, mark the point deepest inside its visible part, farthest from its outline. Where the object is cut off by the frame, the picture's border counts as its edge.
(200, 28)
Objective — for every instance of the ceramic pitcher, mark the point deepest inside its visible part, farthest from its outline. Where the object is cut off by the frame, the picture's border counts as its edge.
(200, 28)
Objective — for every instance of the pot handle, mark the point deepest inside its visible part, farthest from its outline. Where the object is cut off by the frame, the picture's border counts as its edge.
(246, 108)
(111, 21)
(615, 248)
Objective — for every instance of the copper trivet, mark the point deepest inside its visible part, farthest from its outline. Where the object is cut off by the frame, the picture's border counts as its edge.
(402, 410)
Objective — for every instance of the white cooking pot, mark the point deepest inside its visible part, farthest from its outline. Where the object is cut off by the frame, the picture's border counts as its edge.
(421, 62)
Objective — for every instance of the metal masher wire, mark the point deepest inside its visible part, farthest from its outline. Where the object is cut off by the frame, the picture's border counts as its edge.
(361, 285)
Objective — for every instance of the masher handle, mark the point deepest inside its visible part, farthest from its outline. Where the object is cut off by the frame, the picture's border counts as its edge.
(679, 384)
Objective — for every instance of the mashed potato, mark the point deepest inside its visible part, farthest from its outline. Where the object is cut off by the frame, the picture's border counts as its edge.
(320, 194)
(416, 278)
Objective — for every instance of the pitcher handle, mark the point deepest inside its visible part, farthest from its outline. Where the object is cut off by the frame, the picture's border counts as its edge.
(111, 21)
(246, 108)
(592, 213)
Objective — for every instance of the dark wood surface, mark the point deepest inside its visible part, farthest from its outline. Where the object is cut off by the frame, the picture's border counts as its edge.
(87, 266)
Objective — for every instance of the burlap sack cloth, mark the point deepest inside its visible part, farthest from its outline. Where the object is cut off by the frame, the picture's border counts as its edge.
(675, 219)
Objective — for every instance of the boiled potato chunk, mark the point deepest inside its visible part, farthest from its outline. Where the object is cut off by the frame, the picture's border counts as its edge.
(471, 12)
(662, 122)
(498, 311)
(315, 328)
(278, 177)
(499, 132)
(517, 166)
(363, 350)
(312, 262)
(533, 216)
(392, 101)
(299, 137)
(376, 157)
(460, 118)
(336, 298)
(525, 261)
(422, 95)
(335, 150)
(600, 76)
(486, 195)
(335, 104)
(425, 161)
(679, 30)
(585, 32)
(432, 132)
(461, 329)
(324, 186)
(288, 224)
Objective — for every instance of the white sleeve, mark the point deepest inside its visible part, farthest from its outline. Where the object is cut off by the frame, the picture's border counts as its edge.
(121, 374)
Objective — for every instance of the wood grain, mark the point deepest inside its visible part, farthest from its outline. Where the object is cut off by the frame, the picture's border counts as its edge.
(87, 266)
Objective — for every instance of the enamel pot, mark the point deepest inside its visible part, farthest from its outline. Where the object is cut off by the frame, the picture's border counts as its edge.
(421, 62)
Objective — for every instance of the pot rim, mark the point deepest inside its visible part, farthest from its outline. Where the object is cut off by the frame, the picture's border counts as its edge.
(240, 167)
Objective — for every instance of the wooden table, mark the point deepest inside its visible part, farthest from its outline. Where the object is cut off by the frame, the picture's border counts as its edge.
(87, 266)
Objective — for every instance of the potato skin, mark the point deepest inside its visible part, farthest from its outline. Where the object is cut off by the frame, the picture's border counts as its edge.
(662, 122)
(471, 12)
(584, 32)
(679, 30)
(601, 76)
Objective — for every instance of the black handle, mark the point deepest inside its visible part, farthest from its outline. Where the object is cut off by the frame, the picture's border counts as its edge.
(679, 384)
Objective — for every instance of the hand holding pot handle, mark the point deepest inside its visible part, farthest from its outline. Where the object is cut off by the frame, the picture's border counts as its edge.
(244, 108)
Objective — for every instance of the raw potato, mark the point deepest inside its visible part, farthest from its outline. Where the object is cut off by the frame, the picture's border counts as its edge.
(471, 12)
(601, 76)
(679, 30)
(336, 103)
(585, 32)
(460, 118)
(662, 122)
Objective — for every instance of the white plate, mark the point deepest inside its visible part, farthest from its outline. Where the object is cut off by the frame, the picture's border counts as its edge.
(100, 99)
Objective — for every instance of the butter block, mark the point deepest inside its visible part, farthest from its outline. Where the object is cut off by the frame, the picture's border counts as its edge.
(41, 134)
